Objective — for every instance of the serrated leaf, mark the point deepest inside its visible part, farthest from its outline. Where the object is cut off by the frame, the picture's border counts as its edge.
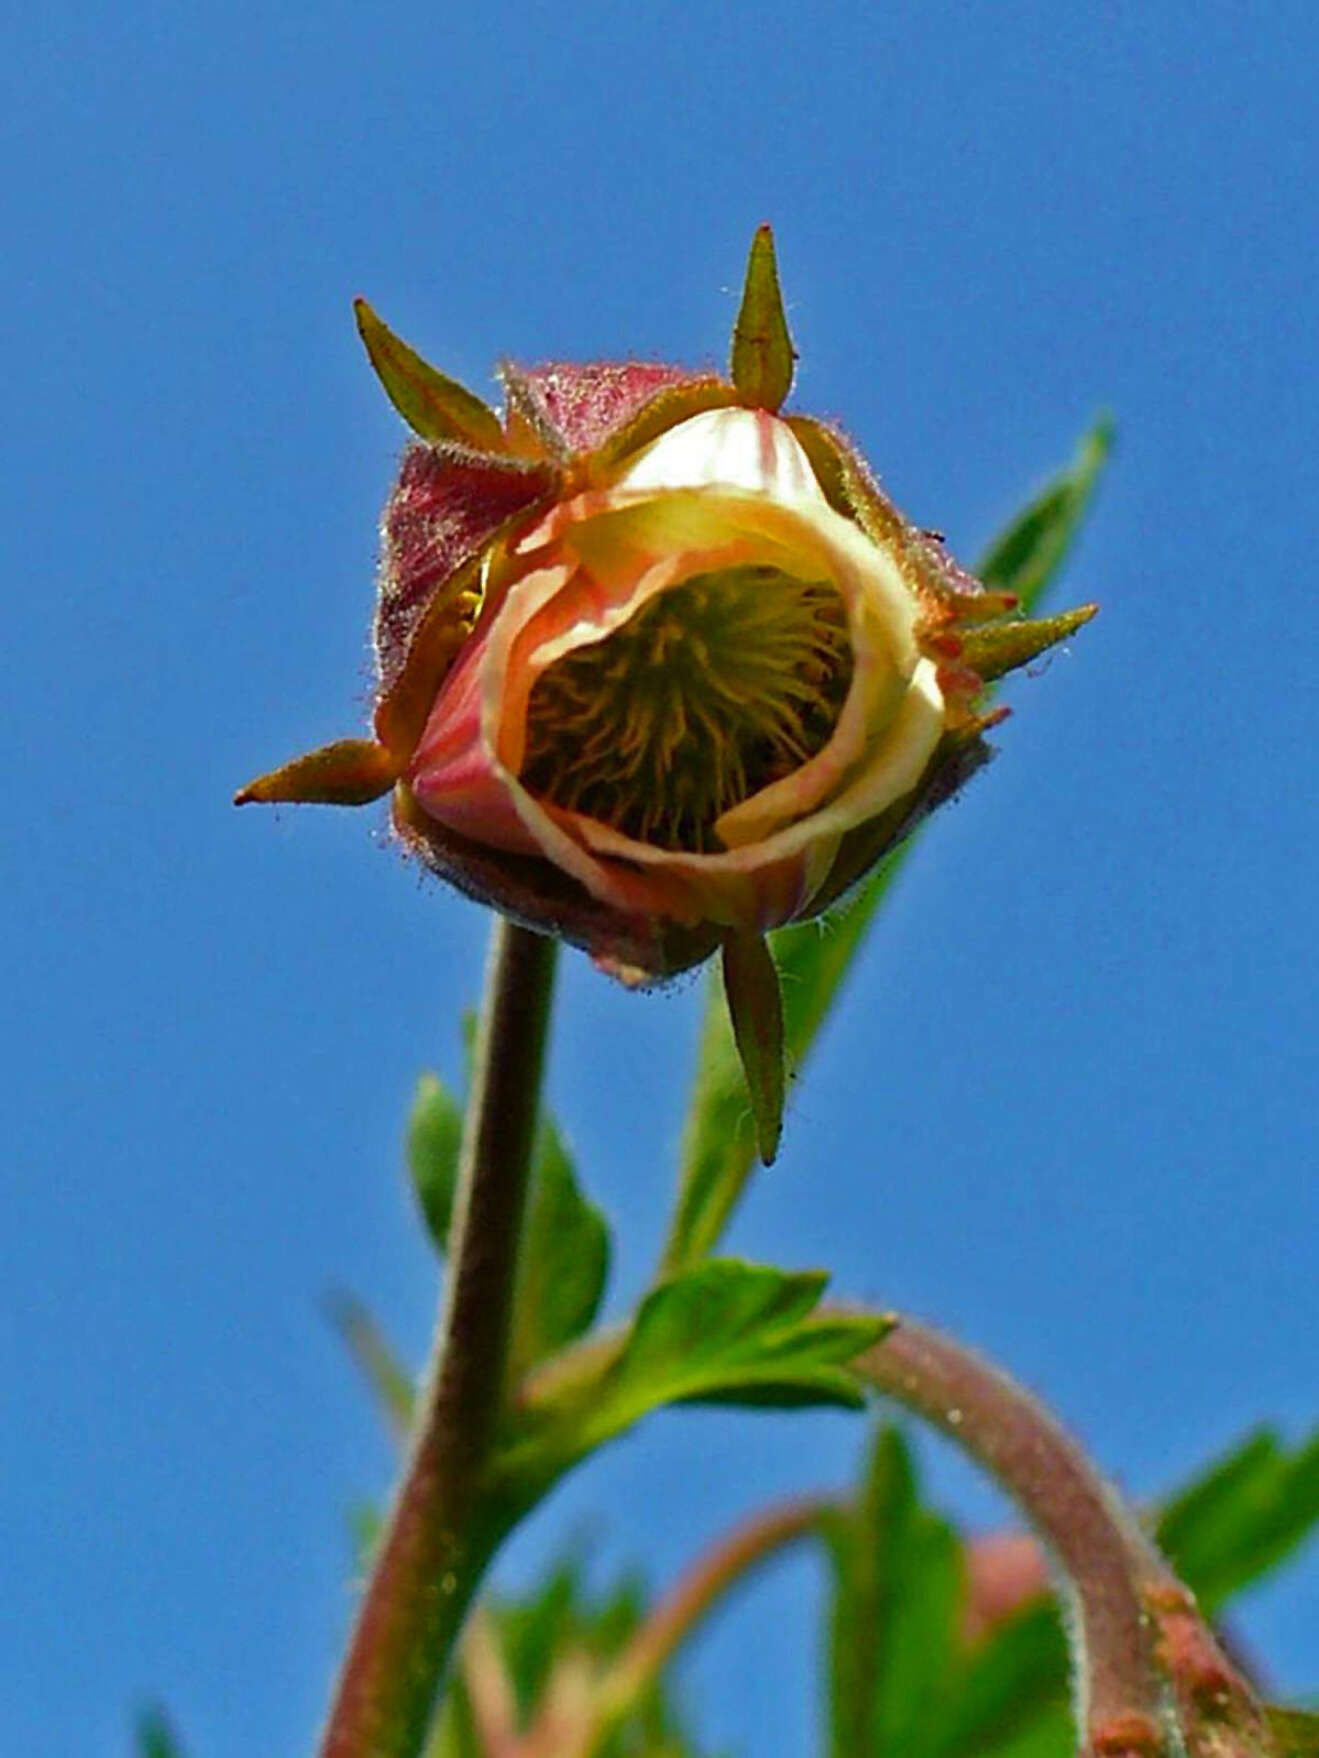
(737, 1331)
(435, 1132)
(813, 958)
(763, 355)
(721, 1332)
(564, 1260)
(155, 1737)
(1241, 1518)
(434, 406)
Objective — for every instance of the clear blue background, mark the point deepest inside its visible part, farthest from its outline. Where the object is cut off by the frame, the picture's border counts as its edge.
(1068, 1106)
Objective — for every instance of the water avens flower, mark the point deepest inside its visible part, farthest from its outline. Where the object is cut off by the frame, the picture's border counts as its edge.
(660, 669)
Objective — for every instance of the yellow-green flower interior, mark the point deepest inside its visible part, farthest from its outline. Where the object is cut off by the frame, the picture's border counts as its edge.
(712, 690)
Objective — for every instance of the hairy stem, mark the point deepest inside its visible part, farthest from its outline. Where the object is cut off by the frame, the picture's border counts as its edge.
(1097, 1545)
(442, 1528)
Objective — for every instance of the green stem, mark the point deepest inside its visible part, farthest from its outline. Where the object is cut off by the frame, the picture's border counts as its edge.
(443, 1528)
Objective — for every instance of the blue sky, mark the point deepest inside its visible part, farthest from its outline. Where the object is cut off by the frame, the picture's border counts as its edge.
(1068, 1105)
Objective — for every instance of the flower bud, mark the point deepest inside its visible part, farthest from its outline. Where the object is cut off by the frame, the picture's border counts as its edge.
(659, 668)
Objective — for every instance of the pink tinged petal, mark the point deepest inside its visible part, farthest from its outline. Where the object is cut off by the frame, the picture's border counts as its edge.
(746, 449)
(453, 774)
(446, 506)
(744, 888)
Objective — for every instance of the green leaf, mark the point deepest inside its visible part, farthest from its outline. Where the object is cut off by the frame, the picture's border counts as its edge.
(1027, 556)
(813, 958)
(436, 407)
(155, 1737)
(435, 1133)
(763, 355)
(898, 1588)
(741, 1333)
(564, 1259)
(381, 1368)
(755, 1008)
(1296, 1732)
(1240, 1519)
(1016, 1680)
(722, 1332)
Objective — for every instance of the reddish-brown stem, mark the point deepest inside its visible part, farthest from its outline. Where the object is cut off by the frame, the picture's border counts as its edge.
(442, 1530)
(1098, 1549)
(670, 1623)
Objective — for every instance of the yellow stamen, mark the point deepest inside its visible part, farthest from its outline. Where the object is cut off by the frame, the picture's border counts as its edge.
(714, 689)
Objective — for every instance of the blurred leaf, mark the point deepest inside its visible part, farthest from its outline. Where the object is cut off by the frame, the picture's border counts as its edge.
(1026, 557)
(1242, 1517)
(719, 1144)
(383, 1372)
(1016, 1680)
(155, 1737)
(453, 1733)
(365, 1525)
(898, 1579)
(564, 1259)
(436, 407)
(763, 356)
(435, 1133)
(1296, 1732)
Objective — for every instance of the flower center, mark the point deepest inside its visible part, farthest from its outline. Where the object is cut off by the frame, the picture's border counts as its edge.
(714, 689)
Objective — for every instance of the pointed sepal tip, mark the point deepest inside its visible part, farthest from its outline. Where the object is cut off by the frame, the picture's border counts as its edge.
(763, 356)
(755, 1007)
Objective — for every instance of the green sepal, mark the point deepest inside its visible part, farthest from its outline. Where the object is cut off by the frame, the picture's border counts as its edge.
(436, 407)
(998, 648)
(763, 355)
(755, 1008)
(350, 772)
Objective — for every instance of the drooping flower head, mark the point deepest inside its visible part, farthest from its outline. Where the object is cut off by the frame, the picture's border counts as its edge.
(659, 668)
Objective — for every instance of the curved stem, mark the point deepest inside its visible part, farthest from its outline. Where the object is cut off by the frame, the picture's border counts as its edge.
(1098, 1547)
(442, 1528)
(672, 1621)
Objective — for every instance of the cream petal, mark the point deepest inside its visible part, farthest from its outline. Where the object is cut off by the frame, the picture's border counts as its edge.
(746, 449)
